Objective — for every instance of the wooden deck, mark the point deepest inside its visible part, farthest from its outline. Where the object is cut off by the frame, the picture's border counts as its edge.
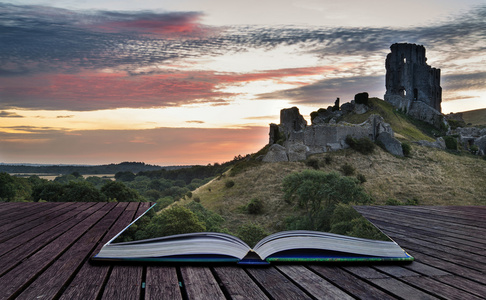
(45, 250)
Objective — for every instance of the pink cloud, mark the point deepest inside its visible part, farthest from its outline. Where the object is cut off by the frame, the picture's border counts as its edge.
(185, 24)
(95, 91)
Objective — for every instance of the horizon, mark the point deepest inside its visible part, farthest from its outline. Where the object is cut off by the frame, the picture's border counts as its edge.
(173, 83)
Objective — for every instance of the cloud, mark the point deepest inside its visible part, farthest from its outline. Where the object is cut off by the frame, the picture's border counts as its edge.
(470, 81)
(325, 92)
(96, 91)
(53, 58)
(164, 146)
(6, 114)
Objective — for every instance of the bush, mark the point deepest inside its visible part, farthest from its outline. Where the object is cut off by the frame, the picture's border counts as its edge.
(312, 162)
(406, 149)
(474, 149)
(328, 159)
(392, 201)
(255, 206)
(197, 199)
(363, 145)
(177, 220)
(251, 233)
(229, 183)
(317, 193)
(413, 201)
(347, 169)
(361, 178)
(450, 142)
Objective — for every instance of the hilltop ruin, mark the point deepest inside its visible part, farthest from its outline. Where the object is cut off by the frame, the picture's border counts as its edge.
(412, 85)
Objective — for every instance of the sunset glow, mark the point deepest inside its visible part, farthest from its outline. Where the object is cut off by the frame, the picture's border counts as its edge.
(197, 82)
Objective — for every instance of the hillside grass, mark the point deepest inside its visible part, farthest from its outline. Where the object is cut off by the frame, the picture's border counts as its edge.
(403, 126)
(475, 117)
(429, 177)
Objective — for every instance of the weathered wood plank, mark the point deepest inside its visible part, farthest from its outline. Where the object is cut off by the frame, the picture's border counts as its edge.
(124, 283)
(238, 284)
(429, 284)
(162, 283)
(388, 283)
(199, 283)
(26, 236)
(110, 289)
(30, 242)
(20, 277)
(349, 283)
(474, 233)
(51, 282)
(449, 266)
(276, 284)
(315, 285)
(20, 224)
(89, 281)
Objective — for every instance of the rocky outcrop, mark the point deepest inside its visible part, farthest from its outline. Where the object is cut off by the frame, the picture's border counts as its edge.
(439, 143)
(390, 143)
(470, 136)
(276, 153)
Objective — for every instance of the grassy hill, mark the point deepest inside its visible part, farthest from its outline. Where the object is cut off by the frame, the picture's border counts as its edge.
(429, 177)
(475, 117)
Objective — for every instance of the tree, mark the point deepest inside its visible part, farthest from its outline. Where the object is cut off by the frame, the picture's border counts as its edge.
(175, 220)
(318, 193)
(51, 191)
(82, 192)
(120, 192)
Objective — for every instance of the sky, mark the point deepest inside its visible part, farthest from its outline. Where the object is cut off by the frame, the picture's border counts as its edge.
(199, 81)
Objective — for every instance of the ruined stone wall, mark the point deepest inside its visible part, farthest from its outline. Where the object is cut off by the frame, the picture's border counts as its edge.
(409, 79)
(299, 140)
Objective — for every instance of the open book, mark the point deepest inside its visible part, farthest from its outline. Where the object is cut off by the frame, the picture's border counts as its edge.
(285, 246)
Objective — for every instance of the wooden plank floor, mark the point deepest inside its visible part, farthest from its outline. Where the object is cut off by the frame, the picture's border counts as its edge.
(45, 250)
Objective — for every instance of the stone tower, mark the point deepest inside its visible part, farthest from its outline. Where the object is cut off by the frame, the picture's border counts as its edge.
(411, 82)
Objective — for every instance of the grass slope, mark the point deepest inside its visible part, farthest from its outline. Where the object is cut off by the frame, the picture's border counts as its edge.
(475, 117)
(430, 176)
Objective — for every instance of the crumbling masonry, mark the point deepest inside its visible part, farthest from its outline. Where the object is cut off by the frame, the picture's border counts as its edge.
(412, 85)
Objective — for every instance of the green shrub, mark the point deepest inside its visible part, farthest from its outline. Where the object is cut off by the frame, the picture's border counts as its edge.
(313, 163)
(450, 142)
(197, 199)
(406, 149)
(255, 206)
(317, 193)
(347, 169)
(413, 201)
(163, 203)
(361, 178)
(363, 145)
(229, 183)
(328, 159)
(251, 233)
(392, 201)
(474, 149)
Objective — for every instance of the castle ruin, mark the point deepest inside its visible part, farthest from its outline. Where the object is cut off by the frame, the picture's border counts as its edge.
(411, 84)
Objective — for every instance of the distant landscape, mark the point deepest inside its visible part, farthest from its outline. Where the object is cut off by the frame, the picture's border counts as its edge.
(250, 199)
